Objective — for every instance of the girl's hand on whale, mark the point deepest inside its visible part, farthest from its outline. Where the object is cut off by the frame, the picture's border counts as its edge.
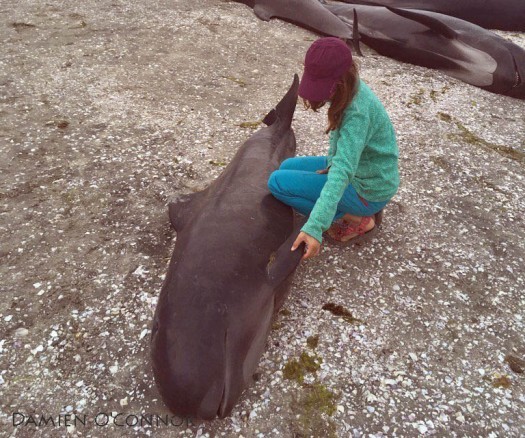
(312, 246)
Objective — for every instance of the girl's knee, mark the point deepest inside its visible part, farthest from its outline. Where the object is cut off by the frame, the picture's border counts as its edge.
(308, 164)
(272, 182)
(288, 164)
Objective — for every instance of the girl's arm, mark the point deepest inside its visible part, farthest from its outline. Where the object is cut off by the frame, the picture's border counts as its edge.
(353, 135)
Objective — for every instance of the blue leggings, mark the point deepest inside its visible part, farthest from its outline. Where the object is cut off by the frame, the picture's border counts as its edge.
(297, 184)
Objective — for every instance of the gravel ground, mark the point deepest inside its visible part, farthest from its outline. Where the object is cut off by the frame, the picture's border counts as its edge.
(109, 108)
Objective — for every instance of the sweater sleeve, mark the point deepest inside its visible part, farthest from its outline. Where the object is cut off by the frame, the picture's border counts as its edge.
(353, 135)
(331, 151)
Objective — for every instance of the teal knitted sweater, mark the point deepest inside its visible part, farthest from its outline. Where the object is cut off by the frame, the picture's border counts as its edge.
(363, 152)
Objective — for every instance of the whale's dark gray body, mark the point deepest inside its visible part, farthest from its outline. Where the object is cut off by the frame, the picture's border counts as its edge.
(230, 271)
(309, 14)
(490, 14)
(458, 48)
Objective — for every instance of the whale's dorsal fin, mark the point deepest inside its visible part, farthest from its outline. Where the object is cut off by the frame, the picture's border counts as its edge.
(355, 35)
(427, 20)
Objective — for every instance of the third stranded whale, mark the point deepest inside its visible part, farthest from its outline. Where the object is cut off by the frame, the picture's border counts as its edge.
(456, 47)
(490, 14)
(229, 273)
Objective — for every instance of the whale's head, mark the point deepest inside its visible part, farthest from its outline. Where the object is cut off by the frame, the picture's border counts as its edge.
(206, 344)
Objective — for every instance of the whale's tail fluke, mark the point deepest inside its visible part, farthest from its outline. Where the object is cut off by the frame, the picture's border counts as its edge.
(285, 109)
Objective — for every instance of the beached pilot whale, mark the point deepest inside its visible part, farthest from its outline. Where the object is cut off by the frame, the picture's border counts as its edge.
(490, 14)
(308, 14)
(456, 47)
(229, 273)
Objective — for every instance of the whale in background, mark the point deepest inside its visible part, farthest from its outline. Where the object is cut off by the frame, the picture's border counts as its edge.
(490, 14)
(456, 47)
(308, 14)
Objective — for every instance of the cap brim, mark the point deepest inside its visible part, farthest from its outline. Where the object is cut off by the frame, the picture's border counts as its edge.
(315, 90)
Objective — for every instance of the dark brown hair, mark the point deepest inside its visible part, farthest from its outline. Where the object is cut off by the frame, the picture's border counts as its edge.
(345, 91)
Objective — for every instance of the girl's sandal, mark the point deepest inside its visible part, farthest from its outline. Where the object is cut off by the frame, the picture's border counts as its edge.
(342, 229)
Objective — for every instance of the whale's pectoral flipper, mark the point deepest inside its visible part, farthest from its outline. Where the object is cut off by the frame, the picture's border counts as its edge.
(284, 260)
(426, 20)
(181, 208)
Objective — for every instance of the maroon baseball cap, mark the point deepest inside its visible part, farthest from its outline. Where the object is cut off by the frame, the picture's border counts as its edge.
(326, 61)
